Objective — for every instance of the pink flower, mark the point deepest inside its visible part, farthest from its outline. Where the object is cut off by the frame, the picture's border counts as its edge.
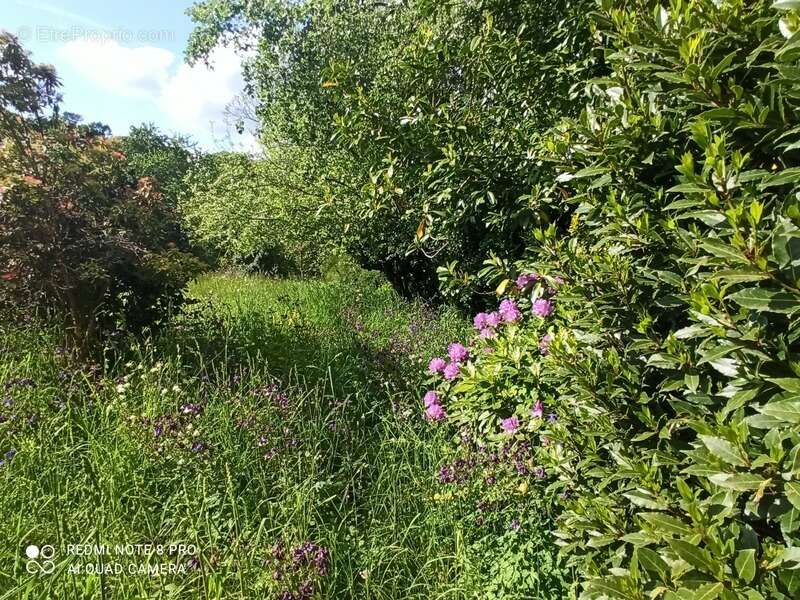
(493, 319)
(487, 333)
(542, 307)
(510, 425)
(509, 311)
(480, 320)
(430, 398)
(558, 280)
(526, 279)
(457, 352)
(451, 371)
(435, 412)
(544, 344)
(538, 410)
(436, 365)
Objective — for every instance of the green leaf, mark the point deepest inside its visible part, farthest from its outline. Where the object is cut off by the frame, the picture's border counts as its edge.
(765, 300)
(710, 591)
(739, 481)
(792, 490)
(724, 450)
(699, 558)
(790, 384)
(653, 562)
(784, 177)
(723, 250)
(786, 5)
(746, 564)
(667, 524)
(785, 410)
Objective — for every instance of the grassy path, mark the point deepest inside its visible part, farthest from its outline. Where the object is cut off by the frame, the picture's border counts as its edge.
(274, 427)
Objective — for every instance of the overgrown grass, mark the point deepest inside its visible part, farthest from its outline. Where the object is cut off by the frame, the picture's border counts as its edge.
(273, 412)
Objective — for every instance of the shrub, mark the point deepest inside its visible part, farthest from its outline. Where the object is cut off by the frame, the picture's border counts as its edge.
(669, 356)
(257, 214)
(75, 236)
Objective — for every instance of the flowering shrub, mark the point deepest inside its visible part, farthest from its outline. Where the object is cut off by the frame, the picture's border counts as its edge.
(77, 237)
(659, 384)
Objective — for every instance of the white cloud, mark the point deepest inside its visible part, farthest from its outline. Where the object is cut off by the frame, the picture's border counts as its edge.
(142, 71)
(198, 95)
(192, 97)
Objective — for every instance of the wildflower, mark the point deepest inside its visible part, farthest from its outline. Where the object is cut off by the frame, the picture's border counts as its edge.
(515, 525)
(452, 371)
(538, 410)
(493, 319)
(510, 425)
(552, 418)
(544, 344)
(542, 307)
(431, 398)
(436, 365)
(457, 352)
(480, 320)
(488, 333)
(509, 311)
(435, 413)
(539, 472)
(526, 279)
(198, 446)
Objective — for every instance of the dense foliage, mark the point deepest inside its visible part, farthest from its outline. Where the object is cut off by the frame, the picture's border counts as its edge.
(660, 382)
(76, 235)
(420, 117)
(259, 214)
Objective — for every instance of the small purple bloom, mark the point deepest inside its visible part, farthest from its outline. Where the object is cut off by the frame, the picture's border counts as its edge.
(539, 472)
(515, 525)
(452, 371)
(436, 365)
(542, 307)
(457, 352)
(544, 344)
(493, 319)
(510, 425)
(552, 418)
(480, 320)
(526, 279)
(538, 410)
(430, 398)
(509, 311)
(435, 413)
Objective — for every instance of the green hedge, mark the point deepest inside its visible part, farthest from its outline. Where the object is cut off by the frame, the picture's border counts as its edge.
(673, 373)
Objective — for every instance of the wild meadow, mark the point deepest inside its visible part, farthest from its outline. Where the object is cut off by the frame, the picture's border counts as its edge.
(273, 426)
(502, 306)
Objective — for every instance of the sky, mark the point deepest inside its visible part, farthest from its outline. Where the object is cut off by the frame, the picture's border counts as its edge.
(121, 63)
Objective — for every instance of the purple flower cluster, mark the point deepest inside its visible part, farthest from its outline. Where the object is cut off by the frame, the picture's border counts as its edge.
(303, 564)
(526, 279)
(273, 393)
(433, 409)
(542, 307)
(509, 311)
(510, 425)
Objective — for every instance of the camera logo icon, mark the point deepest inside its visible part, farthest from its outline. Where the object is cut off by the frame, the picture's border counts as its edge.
(40, 560)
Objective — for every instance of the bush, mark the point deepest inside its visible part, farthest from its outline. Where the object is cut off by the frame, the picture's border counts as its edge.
(75, 236)
(669, 358)
(258, 215)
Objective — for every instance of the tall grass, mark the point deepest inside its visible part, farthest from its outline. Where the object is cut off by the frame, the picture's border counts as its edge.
(271, 412)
